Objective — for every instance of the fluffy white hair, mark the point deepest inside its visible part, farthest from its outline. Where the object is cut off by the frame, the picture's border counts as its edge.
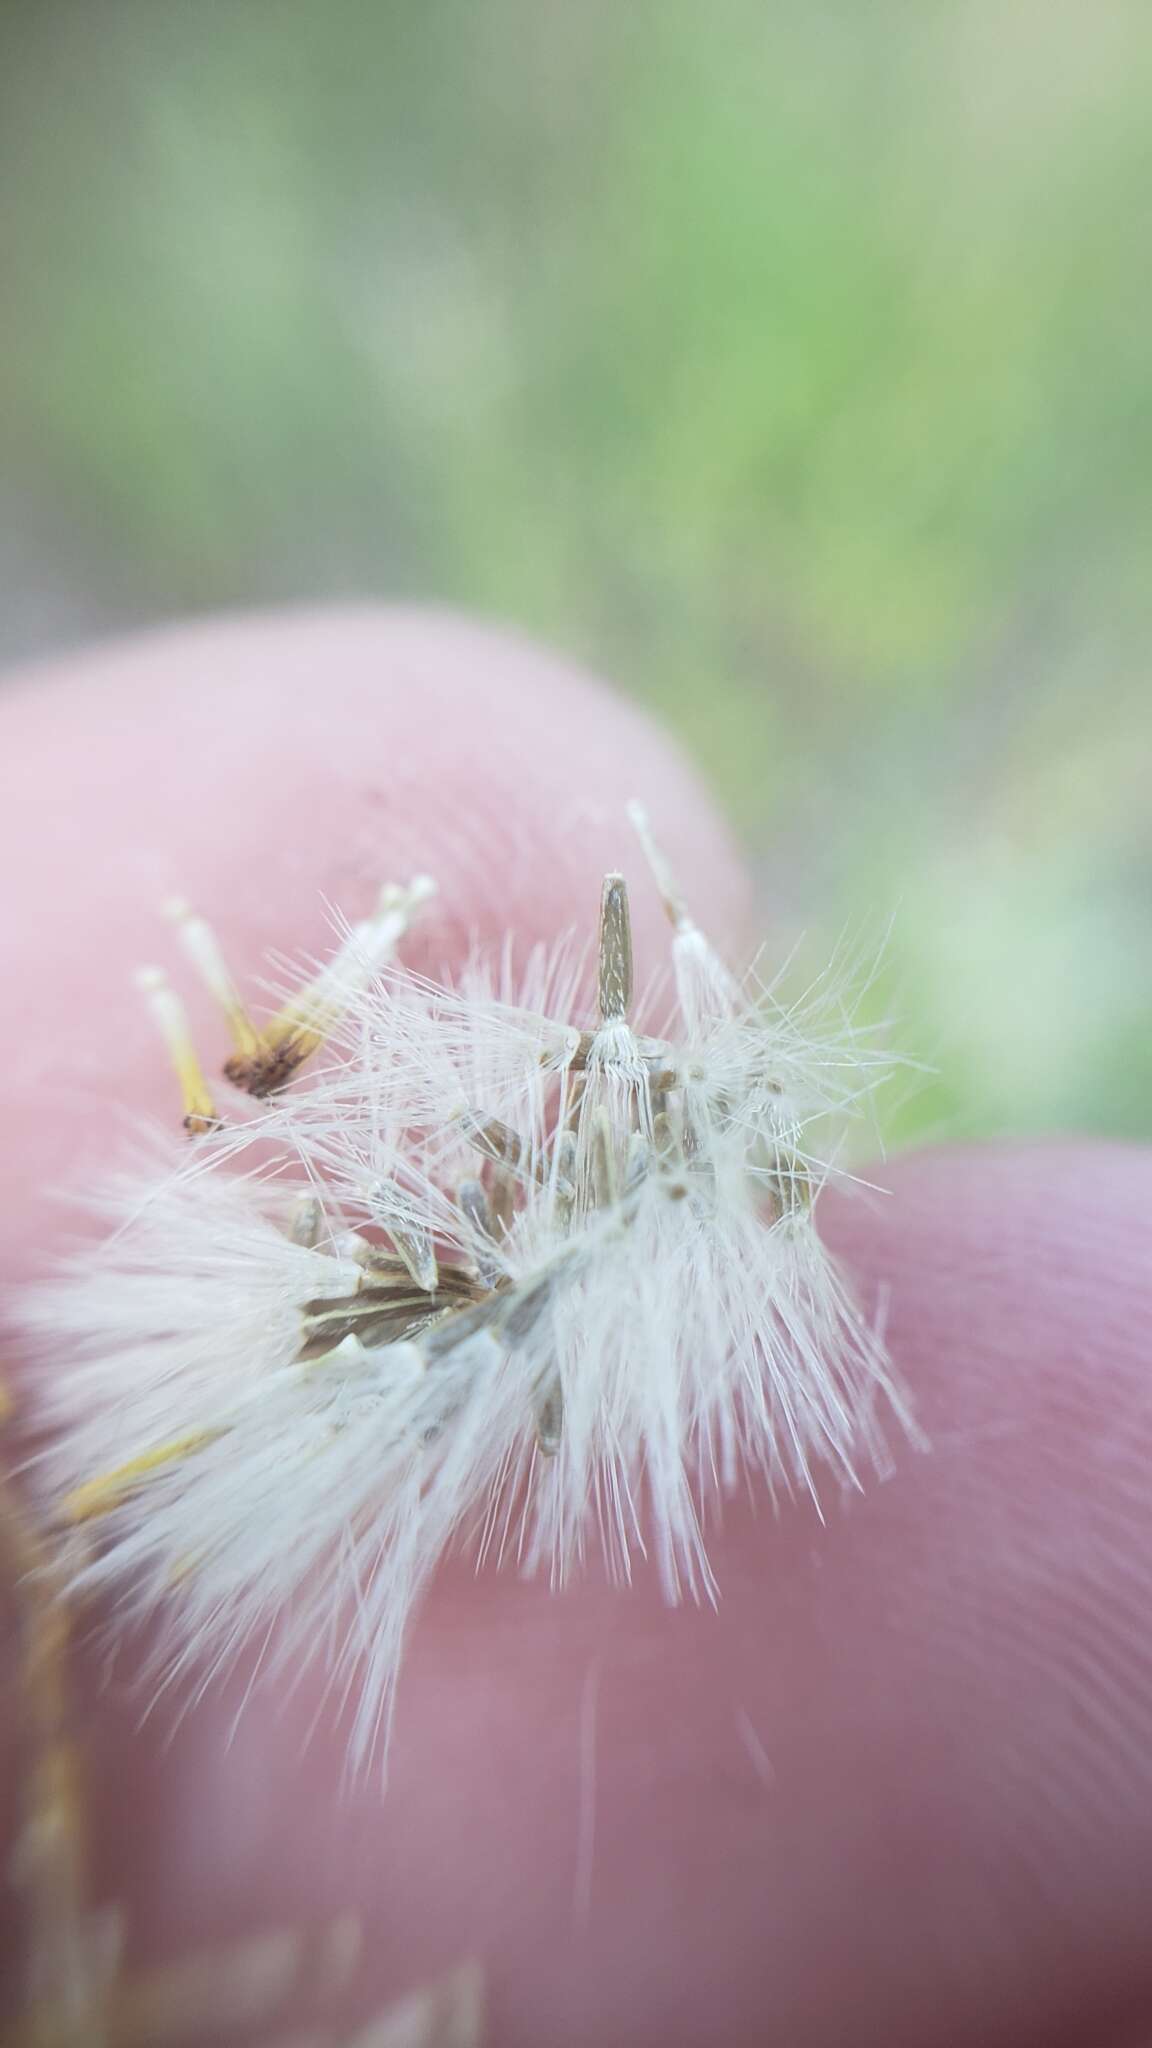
(513, 1270)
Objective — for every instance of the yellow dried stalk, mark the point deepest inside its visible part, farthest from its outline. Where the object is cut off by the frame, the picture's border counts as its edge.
(70, 1950)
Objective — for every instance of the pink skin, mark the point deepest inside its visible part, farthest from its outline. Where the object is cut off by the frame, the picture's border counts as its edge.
(897, 1789)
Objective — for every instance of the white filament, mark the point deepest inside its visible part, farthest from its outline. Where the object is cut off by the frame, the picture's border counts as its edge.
(663, 1311)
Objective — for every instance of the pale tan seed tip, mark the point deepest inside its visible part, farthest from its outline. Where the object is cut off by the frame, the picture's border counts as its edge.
(419, 1259)
(171, 1021)
(203, 949)
(492, 1137)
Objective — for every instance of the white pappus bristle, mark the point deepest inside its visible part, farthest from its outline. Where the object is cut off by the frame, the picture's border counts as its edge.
(522, 1268)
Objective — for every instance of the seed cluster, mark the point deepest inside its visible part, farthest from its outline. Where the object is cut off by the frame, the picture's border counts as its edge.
(509, 1269)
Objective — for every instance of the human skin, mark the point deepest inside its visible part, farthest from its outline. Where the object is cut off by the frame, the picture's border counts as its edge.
(897, 1787)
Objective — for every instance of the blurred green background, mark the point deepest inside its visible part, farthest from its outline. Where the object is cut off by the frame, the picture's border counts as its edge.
(788, 363)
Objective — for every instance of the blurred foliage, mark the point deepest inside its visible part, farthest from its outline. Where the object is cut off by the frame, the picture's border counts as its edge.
(788, 362)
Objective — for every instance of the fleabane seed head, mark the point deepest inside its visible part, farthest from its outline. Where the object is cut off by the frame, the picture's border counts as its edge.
(527, 1266)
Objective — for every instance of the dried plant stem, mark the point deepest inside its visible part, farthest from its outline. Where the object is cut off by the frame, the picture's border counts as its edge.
(70, 1962)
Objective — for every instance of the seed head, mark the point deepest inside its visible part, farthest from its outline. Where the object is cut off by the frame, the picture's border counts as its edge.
(516, 1269)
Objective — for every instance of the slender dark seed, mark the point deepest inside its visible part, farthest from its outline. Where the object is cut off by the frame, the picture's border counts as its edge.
(615, 951)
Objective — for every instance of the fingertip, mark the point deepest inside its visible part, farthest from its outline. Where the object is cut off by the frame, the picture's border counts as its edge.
(322, 748)
(275, 769)
(1032, 1259)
